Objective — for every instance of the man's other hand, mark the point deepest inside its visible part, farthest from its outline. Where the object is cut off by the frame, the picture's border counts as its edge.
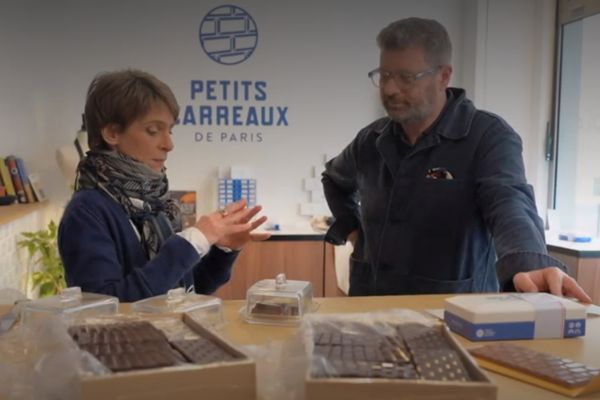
(550, 279)
(352, 237)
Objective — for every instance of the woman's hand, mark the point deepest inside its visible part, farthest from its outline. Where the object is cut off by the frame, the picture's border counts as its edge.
(231, 227)
(236, 240)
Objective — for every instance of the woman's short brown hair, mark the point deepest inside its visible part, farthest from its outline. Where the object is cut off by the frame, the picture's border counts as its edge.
(120, 98)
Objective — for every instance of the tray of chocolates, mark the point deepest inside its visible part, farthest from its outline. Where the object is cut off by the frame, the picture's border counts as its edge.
(134, 345)
(156, 356)
(411, 352)
(388, 355)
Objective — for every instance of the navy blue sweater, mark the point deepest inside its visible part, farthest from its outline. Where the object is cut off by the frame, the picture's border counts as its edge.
(102, 254)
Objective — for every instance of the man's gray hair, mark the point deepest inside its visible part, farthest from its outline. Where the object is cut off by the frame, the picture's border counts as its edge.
(427, 34)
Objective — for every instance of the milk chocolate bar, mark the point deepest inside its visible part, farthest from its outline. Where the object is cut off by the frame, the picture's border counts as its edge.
(561, 371)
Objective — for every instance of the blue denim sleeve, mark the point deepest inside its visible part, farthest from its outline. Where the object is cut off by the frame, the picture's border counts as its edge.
(508, 205)
(340, 186)
(524, 261)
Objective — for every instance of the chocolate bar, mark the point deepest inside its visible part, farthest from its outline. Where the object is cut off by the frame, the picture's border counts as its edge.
(440, 365)
(125, 346)
(274, 309)
(422, 337)
(203, 351)
(561, 371)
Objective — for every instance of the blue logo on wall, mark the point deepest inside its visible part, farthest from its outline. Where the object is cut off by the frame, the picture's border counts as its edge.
(228, 34)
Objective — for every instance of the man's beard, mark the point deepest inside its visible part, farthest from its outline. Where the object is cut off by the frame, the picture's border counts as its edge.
(414, 113)
(412, 116)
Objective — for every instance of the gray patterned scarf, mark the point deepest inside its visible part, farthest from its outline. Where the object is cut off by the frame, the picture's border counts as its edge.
(155, 215)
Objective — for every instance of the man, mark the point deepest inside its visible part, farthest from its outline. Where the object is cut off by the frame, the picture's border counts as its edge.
(434, 196)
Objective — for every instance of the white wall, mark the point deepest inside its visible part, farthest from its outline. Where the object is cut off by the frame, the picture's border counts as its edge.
(313, 55)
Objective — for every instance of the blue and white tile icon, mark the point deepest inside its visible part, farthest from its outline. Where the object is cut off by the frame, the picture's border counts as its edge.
(228, 34)
(231, 190)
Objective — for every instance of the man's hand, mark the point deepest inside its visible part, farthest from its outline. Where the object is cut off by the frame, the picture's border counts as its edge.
(352, 237)
(550, 279)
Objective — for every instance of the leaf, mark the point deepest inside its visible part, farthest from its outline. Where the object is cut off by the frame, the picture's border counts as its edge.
(28, 235)
(47, 289)
(37, 279)
(43, 245)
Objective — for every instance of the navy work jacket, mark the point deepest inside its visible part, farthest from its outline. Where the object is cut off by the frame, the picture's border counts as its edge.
(451, 214)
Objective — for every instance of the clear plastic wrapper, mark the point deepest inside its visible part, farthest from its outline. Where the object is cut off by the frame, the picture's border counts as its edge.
(14, 299)
(390, 353)
(369, 345)
(203, 308)
(384, 355)
(278, 301)
(279, 369)
(38, 360)
(171, 324)
(10, 296)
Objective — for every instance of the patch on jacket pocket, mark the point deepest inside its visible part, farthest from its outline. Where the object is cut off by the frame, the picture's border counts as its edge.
(439, 173)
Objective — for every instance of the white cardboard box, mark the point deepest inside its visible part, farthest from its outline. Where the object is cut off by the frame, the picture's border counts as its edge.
(506, 316)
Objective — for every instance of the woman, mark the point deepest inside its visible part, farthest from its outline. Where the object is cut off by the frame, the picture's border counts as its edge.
(117, 235)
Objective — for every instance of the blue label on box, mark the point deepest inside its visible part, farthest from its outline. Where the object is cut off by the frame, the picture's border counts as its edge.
(506, 330)
(574, 327)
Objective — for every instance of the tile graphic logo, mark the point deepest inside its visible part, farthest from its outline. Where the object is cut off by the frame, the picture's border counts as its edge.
(228, 35)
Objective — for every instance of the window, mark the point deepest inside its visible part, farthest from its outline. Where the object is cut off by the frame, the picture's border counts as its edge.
(576, 194)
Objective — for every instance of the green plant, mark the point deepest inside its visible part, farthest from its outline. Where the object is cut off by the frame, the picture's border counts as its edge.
(42, 244)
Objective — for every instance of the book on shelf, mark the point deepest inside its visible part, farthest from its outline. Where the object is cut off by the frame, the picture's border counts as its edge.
(25, 179)
(37, 187)
(6, 179)
(11, 164)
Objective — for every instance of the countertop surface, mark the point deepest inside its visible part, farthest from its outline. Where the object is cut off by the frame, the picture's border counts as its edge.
(582, 349)
(588, 249)
(295, 234)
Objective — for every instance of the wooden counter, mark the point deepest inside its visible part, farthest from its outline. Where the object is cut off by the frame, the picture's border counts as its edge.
(585, 349)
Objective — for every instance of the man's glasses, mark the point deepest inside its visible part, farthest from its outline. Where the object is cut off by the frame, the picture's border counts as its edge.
(401, 78)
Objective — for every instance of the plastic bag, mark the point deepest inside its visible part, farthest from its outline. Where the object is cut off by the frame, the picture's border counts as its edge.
(38, 360)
